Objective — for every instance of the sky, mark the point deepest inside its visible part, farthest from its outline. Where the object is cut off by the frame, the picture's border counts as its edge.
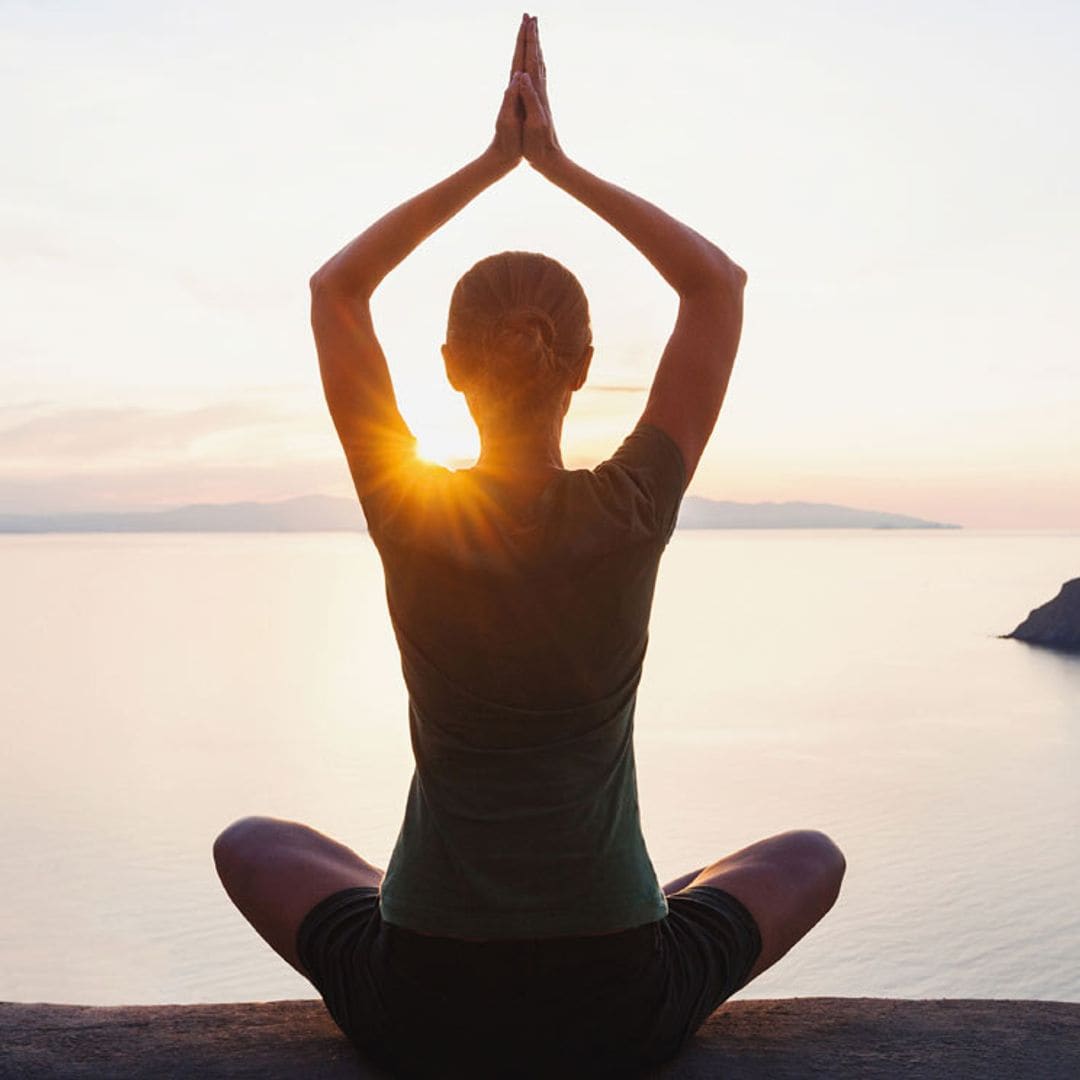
(901, 182)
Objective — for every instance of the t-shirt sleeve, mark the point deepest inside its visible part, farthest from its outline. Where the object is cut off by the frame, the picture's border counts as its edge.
(650, 465)
(384, 471)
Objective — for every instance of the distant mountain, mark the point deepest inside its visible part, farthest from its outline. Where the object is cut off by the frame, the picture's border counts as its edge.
(306, 513)
(698, 513)
(325, 513)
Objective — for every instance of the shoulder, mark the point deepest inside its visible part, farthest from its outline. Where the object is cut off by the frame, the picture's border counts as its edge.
(643, 482)
(651, 449)
(403, 491)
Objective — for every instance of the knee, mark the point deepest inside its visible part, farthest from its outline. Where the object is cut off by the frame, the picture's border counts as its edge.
(822, 857)
(238, 845)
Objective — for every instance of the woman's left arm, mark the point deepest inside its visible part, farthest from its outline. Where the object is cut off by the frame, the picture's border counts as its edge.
(355, 376)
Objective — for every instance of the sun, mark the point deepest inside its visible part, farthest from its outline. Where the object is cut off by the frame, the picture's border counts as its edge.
(447, 444)
(445, 431)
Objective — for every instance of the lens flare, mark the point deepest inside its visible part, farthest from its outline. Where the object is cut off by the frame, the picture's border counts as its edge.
(445, 444)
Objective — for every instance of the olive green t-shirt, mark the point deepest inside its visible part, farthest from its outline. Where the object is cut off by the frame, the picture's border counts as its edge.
(522, 625)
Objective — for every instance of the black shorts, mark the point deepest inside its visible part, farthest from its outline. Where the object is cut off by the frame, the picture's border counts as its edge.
(609, 1005)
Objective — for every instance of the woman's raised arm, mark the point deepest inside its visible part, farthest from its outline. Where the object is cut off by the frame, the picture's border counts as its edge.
(693, 373)
(355, 376)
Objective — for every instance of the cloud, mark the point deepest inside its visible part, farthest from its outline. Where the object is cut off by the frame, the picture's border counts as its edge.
(100, 434)
(159, 486)
(271, 444)
(615, 388)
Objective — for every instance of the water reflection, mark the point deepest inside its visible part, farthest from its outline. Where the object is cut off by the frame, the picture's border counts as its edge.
(158, 687)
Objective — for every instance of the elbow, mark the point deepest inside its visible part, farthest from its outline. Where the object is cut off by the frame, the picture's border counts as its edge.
(329, 285)
(716, 273)
(330, 279)
(321, 283)
(728, 273)
(724, 278)
(327, 298)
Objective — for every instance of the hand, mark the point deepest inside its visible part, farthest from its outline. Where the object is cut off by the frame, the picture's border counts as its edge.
(507, 142)
(539, 143)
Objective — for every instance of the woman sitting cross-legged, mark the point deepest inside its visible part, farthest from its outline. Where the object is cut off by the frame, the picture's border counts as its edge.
(519, 928)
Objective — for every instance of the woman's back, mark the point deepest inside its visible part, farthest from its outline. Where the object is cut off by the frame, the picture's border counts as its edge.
(522, 629)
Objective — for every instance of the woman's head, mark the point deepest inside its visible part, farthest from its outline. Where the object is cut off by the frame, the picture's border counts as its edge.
(518, 334)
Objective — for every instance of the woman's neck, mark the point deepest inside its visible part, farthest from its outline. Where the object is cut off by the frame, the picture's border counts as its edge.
(522, 450)
(519, 455)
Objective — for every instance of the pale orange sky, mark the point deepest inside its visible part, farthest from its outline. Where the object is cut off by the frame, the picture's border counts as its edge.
(897, 181)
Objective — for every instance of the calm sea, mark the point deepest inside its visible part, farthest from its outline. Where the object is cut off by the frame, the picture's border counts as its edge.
(157, 687)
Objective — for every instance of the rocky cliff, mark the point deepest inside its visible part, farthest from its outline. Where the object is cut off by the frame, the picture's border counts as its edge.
(1056, 624)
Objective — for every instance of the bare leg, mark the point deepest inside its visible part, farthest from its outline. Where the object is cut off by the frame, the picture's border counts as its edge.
(275, 872)
(787, 882)
(681, 882)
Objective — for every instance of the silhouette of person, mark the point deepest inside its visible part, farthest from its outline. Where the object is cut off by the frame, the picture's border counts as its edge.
(519, 928)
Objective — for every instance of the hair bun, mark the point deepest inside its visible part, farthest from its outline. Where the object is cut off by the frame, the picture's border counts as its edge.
(526, 336)
(518, 329)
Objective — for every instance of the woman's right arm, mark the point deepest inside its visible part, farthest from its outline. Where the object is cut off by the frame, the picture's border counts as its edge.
(693, 374)
(691, 380)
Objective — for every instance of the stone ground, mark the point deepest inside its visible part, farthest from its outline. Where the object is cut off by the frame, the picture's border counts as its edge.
(786, 1039)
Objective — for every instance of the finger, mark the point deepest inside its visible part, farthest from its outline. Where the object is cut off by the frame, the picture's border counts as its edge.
(518, 63)
(535, 113)
(535, 62)
(531, 46)
(540, 66)
(518, 102)
(508, 110)
(507, 99)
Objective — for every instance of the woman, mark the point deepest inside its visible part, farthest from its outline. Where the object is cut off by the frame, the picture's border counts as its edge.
(519, 929)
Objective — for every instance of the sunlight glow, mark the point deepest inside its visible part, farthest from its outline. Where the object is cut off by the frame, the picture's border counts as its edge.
(447, 444)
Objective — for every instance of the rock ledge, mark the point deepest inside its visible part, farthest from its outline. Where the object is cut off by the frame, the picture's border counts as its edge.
(785, 1039)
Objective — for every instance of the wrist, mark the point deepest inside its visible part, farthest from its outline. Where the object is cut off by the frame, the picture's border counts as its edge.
(497, 162)
(554, 166)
